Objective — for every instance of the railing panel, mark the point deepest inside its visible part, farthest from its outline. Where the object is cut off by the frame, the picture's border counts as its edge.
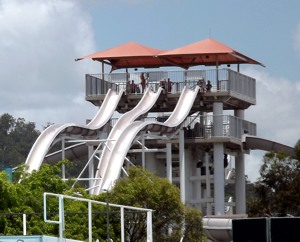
(222, 80)
(242, 84)
(202, 126)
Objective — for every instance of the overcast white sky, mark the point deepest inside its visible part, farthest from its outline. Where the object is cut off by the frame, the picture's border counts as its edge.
(41, 82)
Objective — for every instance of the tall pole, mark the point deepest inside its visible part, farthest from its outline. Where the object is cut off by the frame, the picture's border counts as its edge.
(63, 168)
(240, 181)
(182, 165)
(107, 217)
(102, 70)
(219, 192)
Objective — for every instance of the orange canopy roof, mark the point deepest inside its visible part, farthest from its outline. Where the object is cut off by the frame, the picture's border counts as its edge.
(129, 55)
(205, 52)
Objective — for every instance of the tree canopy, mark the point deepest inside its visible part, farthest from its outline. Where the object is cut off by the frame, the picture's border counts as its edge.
(140, 189)
(16, 139)
(144, 189)
(25, 195)
(278, 188)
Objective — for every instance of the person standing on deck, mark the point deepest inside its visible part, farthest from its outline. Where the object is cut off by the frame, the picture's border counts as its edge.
(143, 82)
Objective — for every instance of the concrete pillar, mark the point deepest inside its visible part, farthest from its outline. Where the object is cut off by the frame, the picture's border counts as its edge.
(240, 181)
(208, 186)
(189, 172)
(198, 188)
(240, 184)
(155, 165)
(169, 161)
(218, 119)
(143, 152)
(182, 165)
(219, 177)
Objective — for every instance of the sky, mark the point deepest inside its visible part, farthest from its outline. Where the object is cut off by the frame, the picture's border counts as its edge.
(41, 82)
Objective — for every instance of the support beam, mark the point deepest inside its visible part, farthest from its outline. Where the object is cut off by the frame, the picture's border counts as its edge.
(143, 152)
(91, 166)
(240, 181)
(219, 176)
(240, 184)
(182, 165)
(219, 179)
(169, 161)
(208, 187)
(63, 156)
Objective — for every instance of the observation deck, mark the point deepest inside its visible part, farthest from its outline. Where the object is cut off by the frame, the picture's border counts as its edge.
(235, 90)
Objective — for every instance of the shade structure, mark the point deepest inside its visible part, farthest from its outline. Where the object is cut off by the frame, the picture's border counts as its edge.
(206, 52)
(129, 55)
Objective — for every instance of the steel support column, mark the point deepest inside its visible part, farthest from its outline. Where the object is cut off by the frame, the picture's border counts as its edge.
(240, 181)
(219, 177)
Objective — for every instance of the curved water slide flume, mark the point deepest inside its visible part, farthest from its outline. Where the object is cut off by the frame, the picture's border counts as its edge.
(259, 143)
(145, 104)
(46, 138)
(122, 145)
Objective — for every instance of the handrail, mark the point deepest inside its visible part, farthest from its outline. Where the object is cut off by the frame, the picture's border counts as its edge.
(222, 80)
(61, 217)
(233, 126)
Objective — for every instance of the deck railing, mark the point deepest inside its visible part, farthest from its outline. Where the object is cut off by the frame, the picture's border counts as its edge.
(222, 80)
(202, 126)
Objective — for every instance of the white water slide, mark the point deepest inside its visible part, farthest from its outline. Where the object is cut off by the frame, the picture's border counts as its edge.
(46, 138)
(259, 143)
(113, 164)
(145, 104)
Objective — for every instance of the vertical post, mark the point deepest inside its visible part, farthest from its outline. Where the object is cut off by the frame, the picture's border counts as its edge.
(240, 184)
(107, 217)
(102, 70)
(217, 74)
(149, 227)
(182, 165)
(90, 221)
(63, 171)
(143, 152)
(207, 180)
(91, 167)
(169, 161)
(198, 188)
(24, 224)
(61, 218)
(122, 225)
(219, 176)
(240, 181)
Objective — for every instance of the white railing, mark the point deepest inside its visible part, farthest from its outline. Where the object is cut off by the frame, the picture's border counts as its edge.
(202, 126)
(222, 80)
(61, 217)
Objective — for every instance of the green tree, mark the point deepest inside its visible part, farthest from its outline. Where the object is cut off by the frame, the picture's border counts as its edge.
(140, 189)
(26, 196)
(194, 231)
(278, 188)
(144, 189)
(16, 139)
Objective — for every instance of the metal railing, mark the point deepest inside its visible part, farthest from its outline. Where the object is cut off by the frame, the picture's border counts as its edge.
(61, 216)
(222, 80)
(202, 126)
